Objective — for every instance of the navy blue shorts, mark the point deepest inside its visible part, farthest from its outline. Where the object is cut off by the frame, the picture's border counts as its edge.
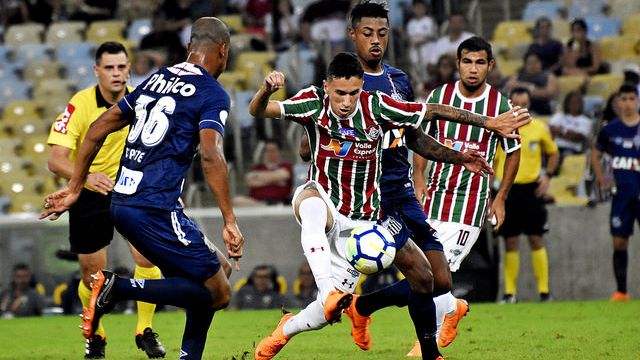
(169, 239)
(405, 218)
(624, 211)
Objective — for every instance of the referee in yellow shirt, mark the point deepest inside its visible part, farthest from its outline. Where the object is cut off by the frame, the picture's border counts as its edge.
(525, 209)
(90, 225)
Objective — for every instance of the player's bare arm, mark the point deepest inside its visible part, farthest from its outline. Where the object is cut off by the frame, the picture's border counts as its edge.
(419, 186)
(511, 163)
(504, 124)
(110, 121)
(260, 106)
(214, 166)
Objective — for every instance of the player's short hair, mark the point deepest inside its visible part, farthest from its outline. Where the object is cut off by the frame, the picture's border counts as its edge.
(474, 44)
(628, 88)
(209, 29)
(345, 65)
(520, 90)
(368, 9)
(110, 47)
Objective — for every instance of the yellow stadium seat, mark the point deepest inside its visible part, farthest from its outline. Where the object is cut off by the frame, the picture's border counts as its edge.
(573, 168)
(509, 67)
(20, 109)
(604, 85)
(24, 34)
(232, 80)
(24, 185)
(9, 147)
(567, 84)
(623, 8)
(518, 49)
(242, 42)
(36, 146)
(513, 31)
(11, 167)
(57, 293)
(255, 64)
(563, 192)
(38, 71)
(631, 25)
(561, 29)
(49, 89)
(26, 203)
(101, 31)
(617, 47)
(233, 22)
(53, 107)
(64, 32)
(31, 127)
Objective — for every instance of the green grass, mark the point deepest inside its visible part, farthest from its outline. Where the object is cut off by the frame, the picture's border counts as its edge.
(560, 330)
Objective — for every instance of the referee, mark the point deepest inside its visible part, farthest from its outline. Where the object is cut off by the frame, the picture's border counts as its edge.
(90, 225)
(525, 208)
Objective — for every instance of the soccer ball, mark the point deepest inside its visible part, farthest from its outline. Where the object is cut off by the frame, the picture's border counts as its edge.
(370, 248)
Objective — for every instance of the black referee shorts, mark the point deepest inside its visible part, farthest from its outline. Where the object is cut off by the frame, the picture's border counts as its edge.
(525, 213)
(90, 224)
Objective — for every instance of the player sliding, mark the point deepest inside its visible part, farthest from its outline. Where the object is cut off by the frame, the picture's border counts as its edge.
(345, 126)
(171, 112)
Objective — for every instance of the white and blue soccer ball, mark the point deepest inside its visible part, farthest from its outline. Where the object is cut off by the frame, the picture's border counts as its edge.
(370, 248)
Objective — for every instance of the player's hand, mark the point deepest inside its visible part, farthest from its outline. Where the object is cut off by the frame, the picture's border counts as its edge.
(233, 240)
(605, 184)
(273, 82)
(57, 203)
(543, 186)
(497, 210)
(476, 163)
(421, 190)
(100, 182)
(506, 123)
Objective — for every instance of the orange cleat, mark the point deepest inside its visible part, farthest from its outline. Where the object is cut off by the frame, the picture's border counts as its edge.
(100, 302)
(272, 344)
(416, 351)
(336, 302)
(449, 329)
(359, 325)
(619, 296)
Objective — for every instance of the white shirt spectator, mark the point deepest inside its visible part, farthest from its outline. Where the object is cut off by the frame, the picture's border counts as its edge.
(580, 124)
(420, 31)
(446, 45)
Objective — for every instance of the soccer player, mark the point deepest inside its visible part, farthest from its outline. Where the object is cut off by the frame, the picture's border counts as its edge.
(620, 138)
(525, 204)
(90, 225)
(345, 126)
(171, 112)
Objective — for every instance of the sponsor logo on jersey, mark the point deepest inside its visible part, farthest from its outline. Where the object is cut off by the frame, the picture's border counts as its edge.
(625, 163)
(61, 124)
(354, 273)
(158, 84)
(340, 149)
(458, 145)
(348, 132)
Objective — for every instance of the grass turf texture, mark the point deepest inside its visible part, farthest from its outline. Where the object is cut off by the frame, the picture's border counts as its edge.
(559, 330)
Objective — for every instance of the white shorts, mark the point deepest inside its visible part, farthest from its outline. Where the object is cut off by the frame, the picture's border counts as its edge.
(345, 277)
(457, 240)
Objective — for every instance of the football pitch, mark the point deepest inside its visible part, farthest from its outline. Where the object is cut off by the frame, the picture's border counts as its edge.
(557, 330)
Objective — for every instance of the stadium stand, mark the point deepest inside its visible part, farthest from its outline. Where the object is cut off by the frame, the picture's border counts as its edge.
(538, 9)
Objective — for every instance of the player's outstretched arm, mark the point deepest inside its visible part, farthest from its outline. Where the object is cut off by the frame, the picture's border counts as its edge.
(260, 106)
(110, 121)
(504, 124)
(214, 166)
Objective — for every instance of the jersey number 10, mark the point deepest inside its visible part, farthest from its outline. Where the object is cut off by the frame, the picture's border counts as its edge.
(151, 126)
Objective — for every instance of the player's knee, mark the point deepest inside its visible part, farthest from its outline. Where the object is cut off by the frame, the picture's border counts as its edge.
(421, 281)
(221, 298)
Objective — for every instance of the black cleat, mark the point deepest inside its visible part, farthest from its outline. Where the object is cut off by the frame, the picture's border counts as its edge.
(509, 299)
(100, 302)
(149, 343)
(545, 297)
(95, 347)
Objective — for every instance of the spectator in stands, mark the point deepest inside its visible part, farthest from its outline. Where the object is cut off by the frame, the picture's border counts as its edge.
(282, 25)
(449, 43)
(612, 109)
(305, 290)
(22, 298)
(261, 291)
(421, 32)
(548, 49)
(254, 15)
(324, 20)
(570, 127)
(164, 38)
(94, 10)
(446, 72)
(145, 63)
(542, 86)
(270, 181)
(139, 9)
(581, 55)
(495, 77)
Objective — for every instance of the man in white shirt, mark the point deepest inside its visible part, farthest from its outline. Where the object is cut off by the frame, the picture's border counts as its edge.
(450, 42)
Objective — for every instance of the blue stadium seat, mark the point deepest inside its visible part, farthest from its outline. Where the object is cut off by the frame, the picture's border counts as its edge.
(599, 27)
(538, 9)
(299, 67)
(24, 54)
(81, 72)
(8, 71)
(586, 8)
(73, 51)
(12, 90)
(396, 12)
(138, 29)
(241, 108)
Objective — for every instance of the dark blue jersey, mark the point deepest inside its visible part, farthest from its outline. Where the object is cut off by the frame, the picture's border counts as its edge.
(167, 111)
(622, 142)
(396, 170)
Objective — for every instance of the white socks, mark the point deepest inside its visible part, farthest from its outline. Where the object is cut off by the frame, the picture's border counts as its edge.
(313, 217)
(445, 304)
(310, 318)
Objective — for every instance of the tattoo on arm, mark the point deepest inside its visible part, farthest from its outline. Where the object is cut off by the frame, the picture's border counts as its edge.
(431, 149)
(439, 111)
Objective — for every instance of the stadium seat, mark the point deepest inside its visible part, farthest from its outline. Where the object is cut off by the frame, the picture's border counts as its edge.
(9, 71)
(31, 127)
(75, 51)
(561, 30)
(573, 168)
(9, 148)
(299, 65)
(509, 67)
(604, 85)
(242, 42)
(538, 9)
(567, 84)
(23, 185)
(517, 50)
(24, 54)
(513, 31)
(20, 110)
(81, 72)
(52, 107)
(138, 29)
(241, 108)
(586, 8)
(38, 71)
(5, 52)
(11, 90)
(396, 12)
(13, 167)
(617, 47)
(232, 80)
(599, 27)
(64, 32)
(24, 34)
(255, 64)
(631, 25)
(101, 31)
(26, 203)
(623, 8)
(233, 22)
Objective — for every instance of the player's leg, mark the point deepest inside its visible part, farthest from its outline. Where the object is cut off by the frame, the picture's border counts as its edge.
(621, 226)
(540, 264)
(90, 264)
(525, 214)
(534, 225)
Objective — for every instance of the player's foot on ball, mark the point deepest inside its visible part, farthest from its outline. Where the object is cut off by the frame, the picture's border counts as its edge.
(272, 344)
(100, 302)
(416, 351)
(359, 325)
(449, 329)
(95, 347)
(149, 343)
(619, 296)
(336, 302)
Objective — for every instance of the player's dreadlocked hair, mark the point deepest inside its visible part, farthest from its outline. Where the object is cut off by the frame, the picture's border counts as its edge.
(368, 9)
(345, 65)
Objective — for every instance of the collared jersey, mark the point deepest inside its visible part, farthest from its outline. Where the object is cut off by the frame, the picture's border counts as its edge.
(167, 111)
(456, 194)
(346, 152)
(396, 171)
(622, 143)
(535, 140)
(72, 126)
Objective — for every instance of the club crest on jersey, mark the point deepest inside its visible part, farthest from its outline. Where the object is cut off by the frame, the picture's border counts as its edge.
(372, 132)
(340, 149)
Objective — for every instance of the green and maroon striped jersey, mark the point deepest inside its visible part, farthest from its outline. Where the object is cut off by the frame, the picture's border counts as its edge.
(456, 194)
(346, 152)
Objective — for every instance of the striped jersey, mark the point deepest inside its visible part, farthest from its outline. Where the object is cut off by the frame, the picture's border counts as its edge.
(346, 159)
(456, 194)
